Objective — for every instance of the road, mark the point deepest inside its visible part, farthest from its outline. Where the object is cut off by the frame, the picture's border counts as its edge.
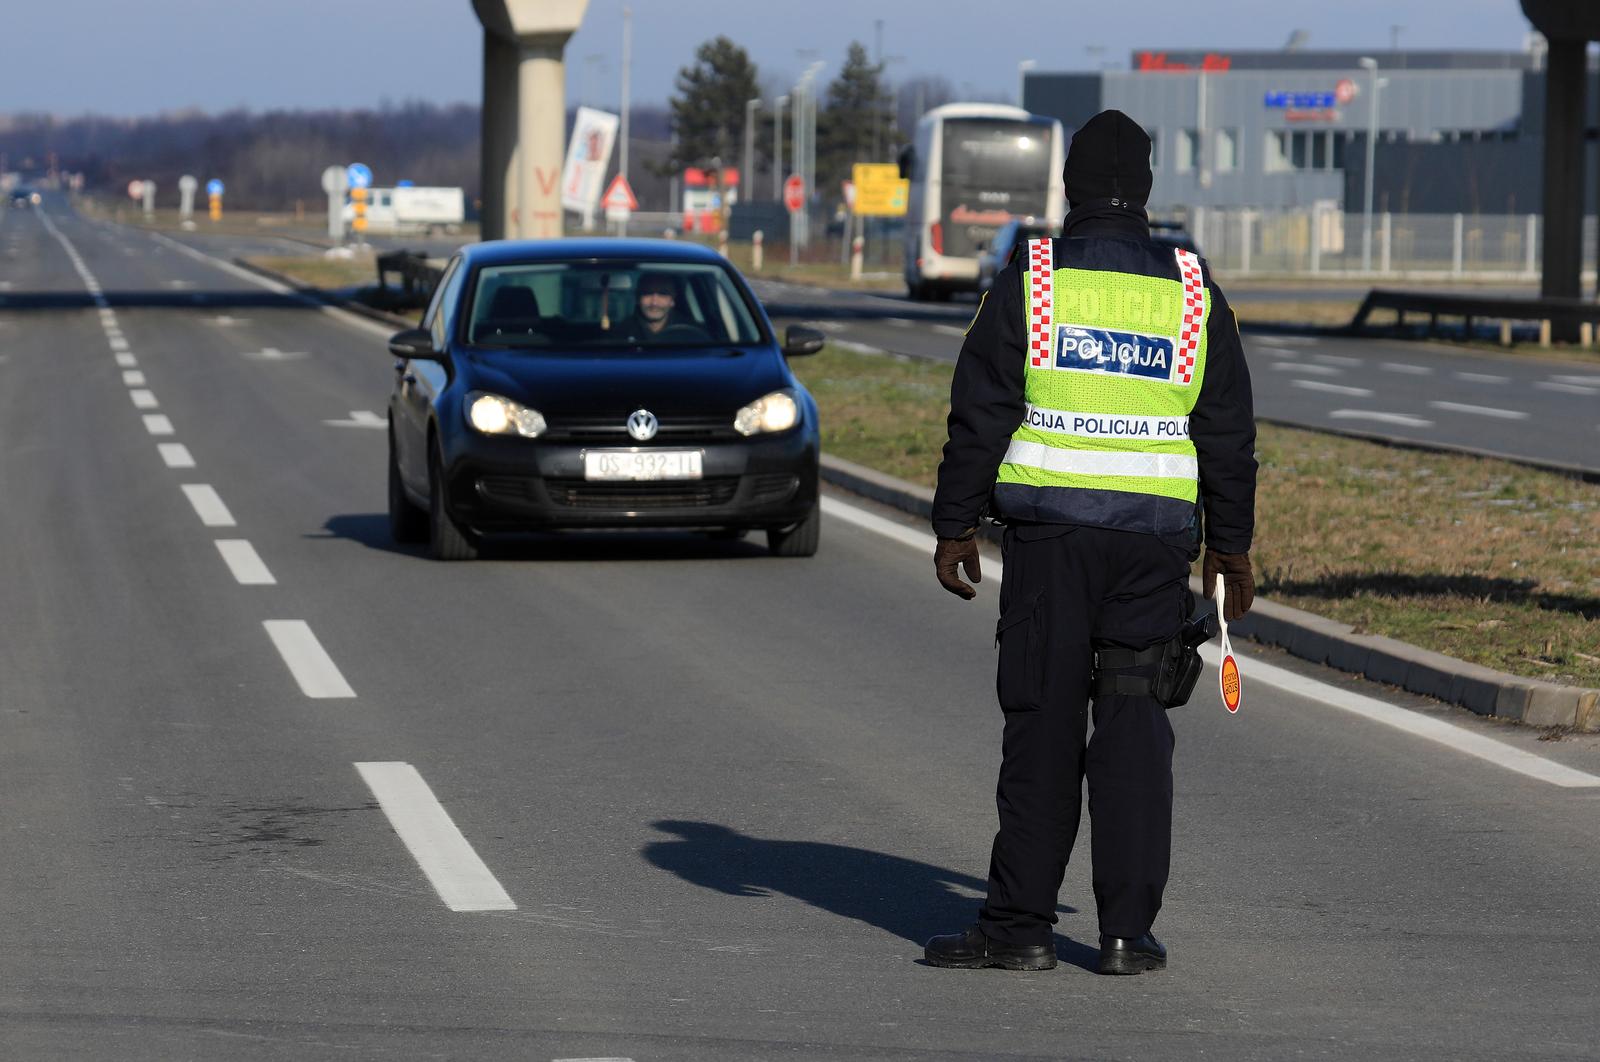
(1512, 405)
(277, 789)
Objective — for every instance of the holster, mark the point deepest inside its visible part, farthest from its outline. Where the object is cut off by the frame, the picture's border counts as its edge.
(1168, 671)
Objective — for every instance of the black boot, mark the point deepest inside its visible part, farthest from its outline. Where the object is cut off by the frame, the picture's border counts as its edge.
(1125, 955)
(971, 950)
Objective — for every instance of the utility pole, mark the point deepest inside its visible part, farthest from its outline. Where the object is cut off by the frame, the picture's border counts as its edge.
(627, 69)
(777, 146)
(1371, 66)
(747, 176)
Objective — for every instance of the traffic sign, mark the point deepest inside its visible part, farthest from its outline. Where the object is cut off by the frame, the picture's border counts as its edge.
(794, 194)
(335, 181)
(213, 187)
(360, 175)
(619, 198)
(880, 190)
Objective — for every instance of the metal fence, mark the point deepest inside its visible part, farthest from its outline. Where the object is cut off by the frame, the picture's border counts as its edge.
(1328, 241)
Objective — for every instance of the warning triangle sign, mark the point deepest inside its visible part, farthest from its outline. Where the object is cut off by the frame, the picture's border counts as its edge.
(619, 196)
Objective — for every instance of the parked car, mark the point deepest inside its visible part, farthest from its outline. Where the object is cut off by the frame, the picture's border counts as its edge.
(993, 258)
(599, 384)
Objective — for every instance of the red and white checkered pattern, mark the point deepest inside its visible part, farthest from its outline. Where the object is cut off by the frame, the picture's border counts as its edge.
(1041, 302)
(1194, 314)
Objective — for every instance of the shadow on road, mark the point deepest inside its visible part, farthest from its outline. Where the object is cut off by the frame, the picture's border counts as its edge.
(372, 531)
(1397, 584)
(901, 896)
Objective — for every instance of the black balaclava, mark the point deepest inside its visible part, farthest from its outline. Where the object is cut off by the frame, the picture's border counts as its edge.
(1109, 159)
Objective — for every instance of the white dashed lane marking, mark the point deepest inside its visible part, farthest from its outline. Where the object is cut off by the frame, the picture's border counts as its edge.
(133, 378)
(1332, 389)
(208, 505)
(1307, 368)
(1480, 411)
(1482, 377)
(244, 562)
(127, 361)
(359, 418)
(1568, 389)
(176, 455)
(157, 424)
(1404, 420)
(455, 871)
(1404, 369)
(143, 399)
(313, 669)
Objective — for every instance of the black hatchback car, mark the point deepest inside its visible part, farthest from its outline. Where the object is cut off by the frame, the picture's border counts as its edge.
(599, 383)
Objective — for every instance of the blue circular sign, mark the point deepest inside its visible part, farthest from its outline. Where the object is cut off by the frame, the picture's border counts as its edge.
(359, 175)
(213, 187)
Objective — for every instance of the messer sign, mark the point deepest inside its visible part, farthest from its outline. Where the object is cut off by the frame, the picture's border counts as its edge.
(1228, 682)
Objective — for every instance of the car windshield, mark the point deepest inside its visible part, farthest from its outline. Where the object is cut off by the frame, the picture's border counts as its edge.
(609, 305)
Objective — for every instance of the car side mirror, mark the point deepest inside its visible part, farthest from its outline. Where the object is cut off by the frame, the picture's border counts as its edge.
(799, 339)
(414, 343)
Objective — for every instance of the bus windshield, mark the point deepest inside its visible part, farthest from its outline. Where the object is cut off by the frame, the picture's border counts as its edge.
(993, 170)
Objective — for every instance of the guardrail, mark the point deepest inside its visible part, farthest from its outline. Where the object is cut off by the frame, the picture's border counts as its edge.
(417, 275)
(1563, 317)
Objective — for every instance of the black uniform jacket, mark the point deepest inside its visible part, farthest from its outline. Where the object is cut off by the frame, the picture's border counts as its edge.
(986, 400)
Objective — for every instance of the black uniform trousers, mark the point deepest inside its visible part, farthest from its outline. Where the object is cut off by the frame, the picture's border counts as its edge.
(1066, 588)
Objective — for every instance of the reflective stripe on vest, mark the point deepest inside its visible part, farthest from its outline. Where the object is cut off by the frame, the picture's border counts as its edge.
(1115, 363)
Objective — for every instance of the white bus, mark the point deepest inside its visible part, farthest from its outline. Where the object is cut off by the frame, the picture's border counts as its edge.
(973, 167)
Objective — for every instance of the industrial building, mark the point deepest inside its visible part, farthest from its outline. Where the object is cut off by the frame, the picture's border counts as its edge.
(1457, 132)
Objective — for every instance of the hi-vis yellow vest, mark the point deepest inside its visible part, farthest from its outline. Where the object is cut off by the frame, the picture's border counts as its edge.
(1116, 356)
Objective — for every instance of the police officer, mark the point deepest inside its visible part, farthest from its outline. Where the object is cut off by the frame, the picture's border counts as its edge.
(1101, 410)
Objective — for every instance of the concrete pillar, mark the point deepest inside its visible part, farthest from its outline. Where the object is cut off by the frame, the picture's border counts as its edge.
(524, 106)
(1563, 173)
(499, 137)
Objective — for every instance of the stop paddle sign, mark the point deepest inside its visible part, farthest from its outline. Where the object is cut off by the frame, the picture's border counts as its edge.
(794, 194)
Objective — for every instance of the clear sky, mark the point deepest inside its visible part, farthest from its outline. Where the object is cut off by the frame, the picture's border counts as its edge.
(134, 57)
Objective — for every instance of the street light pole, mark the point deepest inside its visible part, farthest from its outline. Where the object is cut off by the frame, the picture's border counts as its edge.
(627, 67)
(1371, 66)
(747, 176)
(777, 146)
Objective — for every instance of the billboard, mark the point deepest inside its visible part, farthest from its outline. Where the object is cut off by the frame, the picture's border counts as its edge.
(589, 153)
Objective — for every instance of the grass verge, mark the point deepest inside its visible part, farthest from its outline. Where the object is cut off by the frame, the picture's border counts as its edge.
(1484, 560)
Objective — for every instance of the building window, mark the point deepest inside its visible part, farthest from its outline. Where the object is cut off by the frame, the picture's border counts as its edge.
(1275, 156)
(1341, 141)
(1227, 150)
(1188, 153)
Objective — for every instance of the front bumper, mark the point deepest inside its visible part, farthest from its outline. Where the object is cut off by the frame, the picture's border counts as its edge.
(503, 485)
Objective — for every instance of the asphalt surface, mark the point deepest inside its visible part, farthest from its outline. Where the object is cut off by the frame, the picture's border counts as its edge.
(708, 803)
(1516, 405)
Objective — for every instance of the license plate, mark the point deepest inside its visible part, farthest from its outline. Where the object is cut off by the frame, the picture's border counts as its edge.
(642, 464)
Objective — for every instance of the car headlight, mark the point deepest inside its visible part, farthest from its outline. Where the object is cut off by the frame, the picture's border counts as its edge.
(494, 415)
(775, 412)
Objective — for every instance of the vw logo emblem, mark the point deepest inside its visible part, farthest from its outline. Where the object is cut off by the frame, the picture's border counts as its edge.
(642, 425)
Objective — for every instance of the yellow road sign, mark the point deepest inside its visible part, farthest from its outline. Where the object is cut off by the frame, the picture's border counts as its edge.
(880, 190)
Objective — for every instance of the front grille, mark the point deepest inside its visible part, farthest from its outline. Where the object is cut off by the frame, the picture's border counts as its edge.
(610, 430)
(624, 497)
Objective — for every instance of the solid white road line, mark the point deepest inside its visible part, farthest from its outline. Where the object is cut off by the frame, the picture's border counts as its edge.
(133, 378)
(157, 424)
(127, 361)
(1306, 367)
(176, 455)
(1436, 730)
(143, 399)
(244, 562)
(1332, 389)
(208, 505)
(1403, 419)
(308, 662)
(1480, 411)
(454, 870)
(1482, 377)
(1408, 370)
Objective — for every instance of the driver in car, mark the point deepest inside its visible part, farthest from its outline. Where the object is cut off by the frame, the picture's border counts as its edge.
(656, 318)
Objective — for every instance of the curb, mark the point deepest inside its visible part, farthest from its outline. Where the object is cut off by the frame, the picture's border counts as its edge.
(1320, 640)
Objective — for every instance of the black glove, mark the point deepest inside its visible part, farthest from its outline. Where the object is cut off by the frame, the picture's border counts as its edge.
(951, 553)
(1238, 583)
